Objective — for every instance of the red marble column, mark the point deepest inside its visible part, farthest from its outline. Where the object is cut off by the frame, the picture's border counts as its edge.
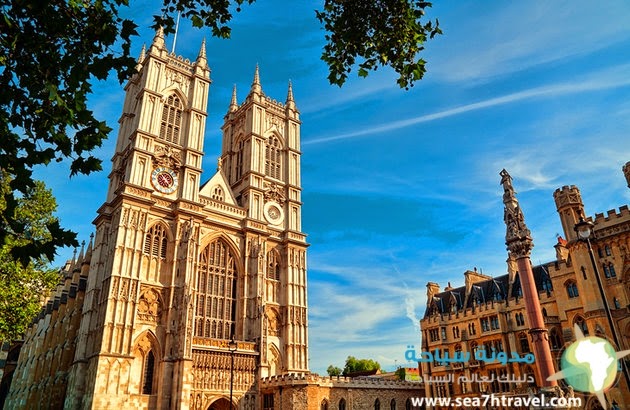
(519, 243)
(538, 333)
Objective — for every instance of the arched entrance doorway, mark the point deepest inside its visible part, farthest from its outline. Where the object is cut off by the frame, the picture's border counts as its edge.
(221, 404)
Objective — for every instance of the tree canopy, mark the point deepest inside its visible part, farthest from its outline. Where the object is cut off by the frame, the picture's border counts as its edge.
(51, 51)
(24, 286)
(333, 371)
(354, 365)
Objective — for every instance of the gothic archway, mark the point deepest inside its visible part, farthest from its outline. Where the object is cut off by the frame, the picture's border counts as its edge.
(221, 404)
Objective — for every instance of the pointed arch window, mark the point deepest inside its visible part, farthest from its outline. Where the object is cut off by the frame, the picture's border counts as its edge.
(147, 373)
(273, 265)
(171, 123)
(216, 284)
(377, 404)
(273, 157)
(582, 325)
(572, 289)
(342, 404)
(155, 241)
(392, 404)
(239, 159)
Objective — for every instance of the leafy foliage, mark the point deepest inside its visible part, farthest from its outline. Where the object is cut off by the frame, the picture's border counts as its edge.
(50, 51)
(23, 286)
(401, 373)
(333, 371)
(377, 33)
(354, 365)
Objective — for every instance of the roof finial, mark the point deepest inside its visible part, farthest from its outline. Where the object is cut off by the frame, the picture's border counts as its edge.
(80, 258)
(202, 62)
(290, 103)
(256, 88)
(158, 40)
(234, 102)
(143, 53)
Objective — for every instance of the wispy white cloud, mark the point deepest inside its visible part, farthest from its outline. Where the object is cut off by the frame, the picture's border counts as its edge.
(517, 35)
(610, 78)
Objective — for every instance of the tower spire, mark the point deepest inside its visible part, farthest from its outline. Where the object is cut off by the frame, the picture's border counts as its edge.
(158, 40)
(256, 88)
(143, 54)
(234, 102)
(290, 103)
(202, 62)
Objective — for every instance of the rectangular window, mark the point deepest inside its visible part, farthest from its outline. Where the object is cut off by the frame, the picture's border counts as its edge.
(268, 401)
(485, 326)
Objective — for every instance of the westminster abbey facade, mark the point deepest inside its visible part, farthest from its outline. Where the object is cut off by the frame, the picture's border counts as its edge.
(177, 269)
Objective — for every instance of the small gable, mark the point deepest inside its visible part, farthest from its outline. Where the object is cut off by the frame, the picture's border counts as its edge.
(218, 189)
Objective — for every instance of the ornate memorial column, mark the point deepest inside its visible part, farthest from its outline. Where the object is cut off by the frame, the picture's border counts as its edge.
(519, 244)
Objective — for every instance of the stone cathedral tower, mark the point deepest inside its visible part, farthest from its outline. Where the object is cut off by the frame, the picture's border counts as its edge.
(178, 269)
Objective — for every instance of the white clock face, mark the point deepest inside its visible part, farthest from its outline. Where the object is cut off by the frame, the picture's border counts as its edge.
(164, 180)
(273, 213)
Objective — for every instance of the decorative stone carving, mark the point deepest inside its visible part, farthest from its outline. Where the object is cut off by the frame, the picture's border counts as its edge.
(517, 237)
(273, 192)
(274, 121)
(149, 306)
(165, 156)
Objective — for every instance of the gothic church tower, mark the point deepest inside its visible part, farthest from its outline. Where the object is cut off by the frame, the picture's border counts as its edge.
(179, 270)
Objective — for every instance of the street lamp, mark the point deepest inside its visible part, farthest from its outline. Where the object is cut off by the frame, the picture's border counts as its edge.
(232, 345)
(584, 230)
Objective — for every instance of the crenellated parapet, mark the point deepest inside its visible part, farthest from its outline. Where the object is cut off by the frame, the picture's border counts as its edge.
(297, 379)
(612, 223)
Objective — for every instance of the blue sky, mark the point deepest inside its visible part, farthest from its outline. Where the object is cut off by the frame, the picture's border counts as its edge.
(402, 187)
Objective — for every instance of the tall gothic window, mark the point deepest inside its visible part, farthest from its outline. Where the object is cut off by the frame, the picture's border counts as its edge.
(216, 292)
(147, 373)
(273, 265)
(155, 241)
(171, 119)
(377, 404)
(273, 158)
(239, 159)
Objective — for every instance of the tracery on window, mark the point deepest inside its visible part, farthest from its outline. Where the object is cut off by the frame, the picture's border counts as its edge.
(216, 291)
(273, 265)
(273, 157)
(171, 123)
(155, 241)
